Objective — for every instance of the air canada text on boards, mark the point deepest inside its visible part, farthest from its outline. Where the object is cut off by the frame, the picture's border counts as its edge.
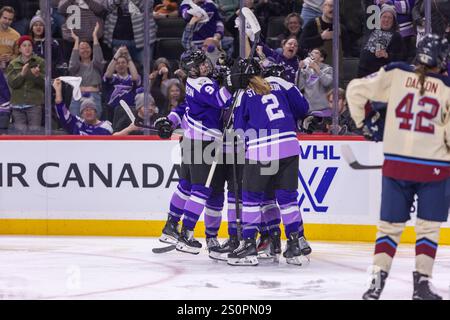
(146, 175)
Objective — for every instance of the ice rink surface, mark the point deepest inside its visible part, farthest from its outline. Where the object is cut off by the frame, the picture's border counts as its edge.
(126, 268)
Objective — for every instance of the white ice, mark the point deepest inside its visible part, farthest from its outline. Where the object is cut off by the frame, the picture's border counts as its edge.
(126, 268)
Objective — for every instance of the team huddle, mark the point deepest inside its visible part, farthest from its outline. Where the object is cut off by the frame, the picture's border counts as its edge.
(260, 111)
(267, 137)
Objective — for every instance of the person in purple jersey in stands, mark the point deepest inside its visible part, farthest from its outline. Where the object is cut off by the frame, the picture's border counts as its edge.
(266, 116)
(86, 125)
(203, 125)
(212, 27)
(288, 58)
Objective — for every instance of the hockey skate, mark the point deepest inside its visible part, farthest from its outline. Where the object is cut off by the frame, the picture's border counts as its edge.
(263, 247)
(376, 285)
(293, 254)
(423, 289)
(187, 243)
(275, 245)
(245, 254)
(304, 247)
(220, 252)
(170, 233)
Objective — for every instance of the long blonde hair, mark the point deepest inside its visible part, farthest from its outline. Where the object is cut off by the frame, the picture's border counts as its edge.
(259, 85)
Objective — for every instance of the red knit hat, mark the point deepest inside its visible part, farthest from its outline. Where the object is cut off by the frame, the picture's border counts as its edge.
(22, 39)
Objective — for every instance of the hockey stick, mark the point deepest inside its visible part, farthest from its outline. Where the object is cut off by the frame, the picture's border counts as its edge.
(164, 249)
(349, 157)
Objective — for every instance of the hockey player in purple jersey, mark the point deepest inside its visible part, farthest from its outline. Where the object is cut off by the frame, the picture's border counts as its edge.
(266, 116)
(269, 243)
(203, 125)
(87, 124)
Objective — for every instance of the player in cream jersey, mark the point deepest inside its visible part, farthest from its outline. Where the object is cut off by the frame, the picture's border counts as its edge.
(416, 146)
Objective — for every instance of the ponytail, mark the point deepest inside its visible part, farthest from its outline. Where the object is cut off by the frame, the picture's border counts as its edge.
(259, 85)
(422, 71)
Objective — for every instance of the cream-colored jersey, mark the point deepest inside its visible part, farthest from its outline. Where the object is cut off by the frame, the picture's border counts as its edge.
(417, 128)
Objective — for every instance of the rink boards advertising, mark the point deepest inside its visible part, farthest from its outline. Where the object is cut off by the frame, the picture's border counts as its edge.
(122, 187)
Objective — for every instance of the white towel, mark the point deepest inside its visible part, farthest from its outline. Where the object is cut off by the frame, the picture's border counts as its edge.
(75, 83)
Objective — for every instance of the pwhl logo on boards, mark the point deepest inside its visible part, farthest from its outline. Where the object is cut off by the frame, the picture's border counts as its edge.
(315, 187)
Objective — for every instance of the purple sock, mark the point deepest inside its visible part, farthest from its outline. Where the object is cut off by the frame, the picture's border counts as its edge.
(290, 212)
(195, 205)
(178, 201)
(213, 214)
(251, 213)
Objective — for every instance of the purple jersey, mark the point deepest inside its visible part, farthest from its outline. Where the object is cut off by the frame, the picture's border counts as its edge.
(269, 121)
(76, 126)
(207, 30)
(205, 105)
(120, 88)
(177, 114)
(290, 65)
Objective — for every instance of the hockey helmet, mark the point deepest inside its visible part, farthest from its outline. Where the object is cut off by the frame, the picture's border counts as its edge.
(196, 64)
(273, 69)
(433, 51)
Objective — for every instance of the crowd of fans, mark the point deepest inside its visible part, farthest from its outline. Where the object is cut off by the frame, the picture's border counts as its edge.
(102, 41)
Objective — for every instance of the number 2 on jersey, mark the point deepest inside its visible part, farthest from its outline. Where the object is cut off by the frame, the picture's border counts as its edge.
(404, 112)
(271, 103)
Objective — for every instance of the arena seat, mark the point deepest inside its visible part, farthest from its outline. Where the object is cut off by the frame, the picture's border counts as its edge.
(170, 27)
(275, 27)
(169, 48)
(350, 70)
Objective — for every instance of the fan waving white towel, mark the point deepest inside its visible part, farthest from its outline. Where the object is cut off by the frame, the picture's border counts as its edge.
(75, 83)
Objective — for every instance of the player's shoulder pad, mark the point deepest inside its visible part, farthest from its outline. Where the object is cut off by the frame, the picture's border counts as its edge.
(444, 79)
(399, 65)
(199, 83)
(283, 83)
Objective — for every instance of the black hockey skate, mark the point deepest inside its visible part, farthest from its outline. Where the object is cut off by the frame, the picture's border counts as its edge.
(220, 252)
(293, 254)
(376, 285)
(423, 289)
(187, 243)
(275, 245)
(170, 233)
(304, 246)
(263, 246)
(245, 254)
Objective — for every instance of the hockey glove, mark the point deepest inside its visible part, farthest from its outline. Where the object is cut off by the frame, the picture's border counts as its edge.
(164, 127)
(313, 124)
(373, 128)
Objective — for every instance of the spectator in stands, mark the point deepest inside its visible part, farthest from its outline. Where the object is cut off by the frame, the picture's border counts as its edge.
(24, 11)
(381, 46)
(160, 74)
(123, 125)
(211, 46)
(37, 32)
(90, 18)
(124, 26)
(5, 108)
(210, 24)
(288, 58)
(121, 81)
(86, 125)
(311, 10)
(227, 8)
(169, 8)
(90, 69)
(346, 123)
(174, 92)
(8, 37)
(293, 24)
(318, 33)
(440, 17)
(315, 78)
(25, 76)
(404, 9)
